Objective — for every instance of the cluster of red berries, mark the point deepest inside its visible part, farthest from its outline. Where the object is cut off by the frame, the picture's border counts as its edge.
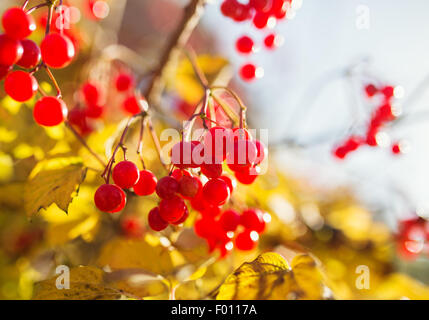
(382, 115)
(56, 51)
(412, 238)
(262, 13)
(125, 84)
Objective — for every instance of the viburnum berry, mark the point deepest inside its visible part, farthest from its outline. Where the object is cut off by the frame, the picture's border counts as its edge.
(110, 198)
(260, 20)
(203, 226)
(77, 117)
(179, 173)
(261, 151)
(370, 90)
(94, 111)
(246, 176)
(272, 41)
(57, 50)
(155, 221)
(189, 187)
(17, 23)
(261, 5)
(90, 93)
(385, 112)
(211, 211)
(31, 55)
(229, 220)
(11, 50)
(215, 145)
(131, 227)
(50, 111)
(167, 187)
(229, 182)
(246, 240)
(388, 91)
(253, 219)
(124, 82)
(279, 8)
(183, 218)
(125, 174)
(20, 86)
(216, 192)
(249, 72)
(243, 155)
(211, 171)
(4, 71)
(199, 203)
(244, 44)
(396, 148)
(146, 184)
(172, 210)
(131, 105)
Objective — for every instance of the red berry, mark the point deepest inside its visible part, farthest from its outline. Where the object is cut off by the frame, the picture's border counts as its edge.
(229, 183)
(172, 210)
(77, 117)
(187, 154)
(215, 145)
(388, 91)
(4, 70)
(109, 198)
(167, 187)
(179, 173)
(199, 203)
(229, 220)
(243, 155)
(248, 72)
(131, 105)
(396, 148)
(94, 111)
(271, 41)
(189, 187)
(261, 5)
(246, 176)
(57, 50)
(31, 56)
(125, 174)
(146, 184)
(11, 50)
(246, 240)
(211, 211)
(124, 82)
(216, 192)
(132, 227)
(260, 20)
(20, 86)
(261, 151)
(203, 227)
(253, 219)
(371, 90)
(340, 152)
(50, 111)
(155, 221)
(244, 44)
(211, 171)
(17, 23)
(279, 8)
(183, 218)
(90, 93)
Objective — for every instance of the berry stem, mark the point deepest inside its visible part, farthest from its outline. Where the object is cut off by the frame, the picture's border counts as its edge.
(32, 9)
(140, 142)
(83, 142)
(190, 53)
(24, 5)
(54, 81)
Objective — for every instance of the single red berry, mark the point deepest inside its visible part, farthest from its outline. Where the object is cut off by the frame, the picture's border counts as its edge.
(125, 174)
(179, 173)
(229, 182)
(124, 82)
(189, 187)
(371, 90)
(396, 148)
(167, 187)
(279, 8)
(261, 5)
(17, 23)
(248, 72)
(31, 56)
(353, 143)
(109, 198)
(260, 20)
(94, 111)
(131, 105)
(229, 220)
(77, 117)
(11, 50)
(172, 210)
(216, 192)
(253, 219)
(4, 71)
(215, 145)
(246, 240)
(244, 44)
(155, 221)
(90, 93)
(21, 86)
(388, 91)
(261, 151)
(211, 171)
(183, 218)
(131, 227)
(146, 184)
(241, 12)
(246, 176)
(57, 50)
(203, 227)
(385, 113)
(50, 111)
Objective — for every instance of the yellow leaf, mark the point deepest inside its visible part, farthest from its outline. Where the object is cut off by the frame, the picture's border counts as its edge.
(86, 283)
(50, 186)
(124, 253)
